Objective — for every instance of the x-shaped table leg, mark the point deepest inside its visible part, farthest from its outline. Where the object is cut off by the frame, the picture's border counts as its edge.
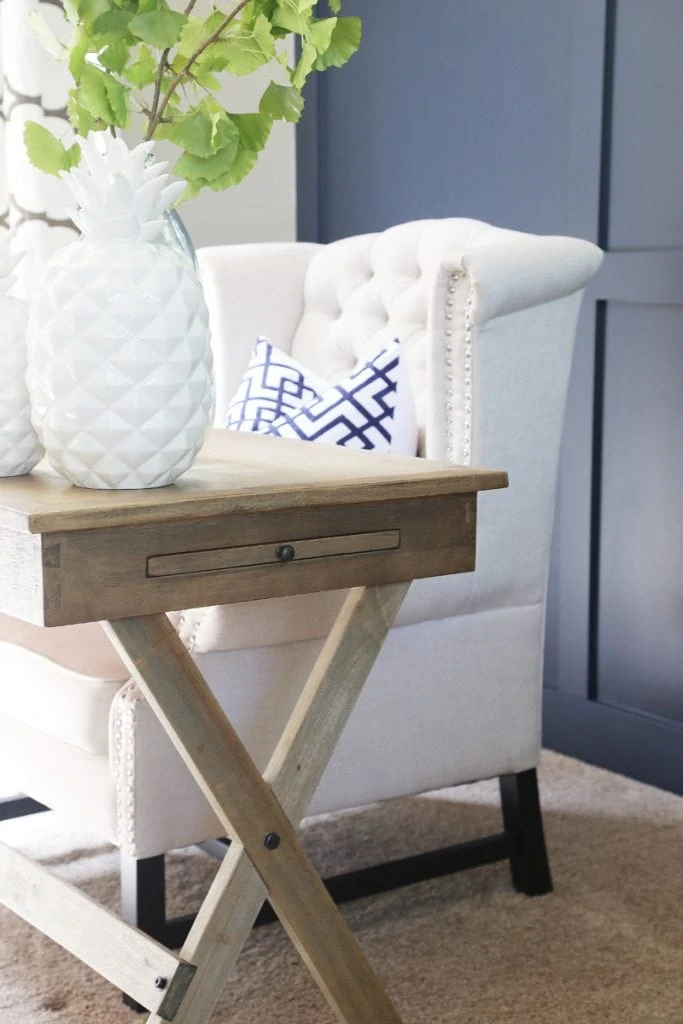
(261, 813)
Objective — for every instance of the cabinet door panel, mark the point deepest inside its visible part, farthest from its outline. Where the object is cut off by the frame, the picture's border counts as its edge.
(640, 611)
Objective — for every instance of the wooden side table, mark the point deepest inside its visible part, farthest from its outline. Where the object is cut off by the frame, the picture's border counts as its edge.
(256, 517)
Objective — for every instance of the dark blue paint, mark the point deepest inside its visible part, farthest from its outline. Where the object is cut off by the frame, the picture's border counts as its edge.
(448, 109)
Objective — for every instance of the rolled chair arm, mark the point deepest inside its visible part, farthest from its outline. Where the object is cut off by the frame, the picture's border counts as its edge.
(520, 271)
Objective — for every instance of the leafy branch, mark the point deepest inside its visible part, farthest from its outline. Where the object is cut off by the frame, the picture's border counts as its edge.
(159, 107)
(171, 65)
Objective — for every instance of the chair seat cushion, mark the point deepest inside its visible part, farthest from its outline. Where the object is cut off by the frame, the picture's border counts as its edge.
(60, 681)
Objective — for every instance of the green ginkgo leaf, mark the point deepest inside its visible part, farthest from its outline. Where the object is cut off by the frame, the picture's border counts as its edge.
(282, 102)
(113, 26)
(88, 10)
(320, 33)
(160, 28)
(143, 69)
(345, 41)
(115, 55)
(103, 96)
(209, 168)
(196, 31)
(48, 153)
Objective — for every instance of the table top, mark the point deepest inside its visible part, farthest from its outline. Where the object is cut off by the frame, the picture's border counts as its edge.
(237, 473)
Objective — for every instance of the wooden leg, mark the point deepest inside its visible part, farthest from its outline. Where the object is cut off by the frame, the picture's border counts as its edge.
(143, 902)
(130, 960)
(257, 811)
(143, 894)
(522, 818)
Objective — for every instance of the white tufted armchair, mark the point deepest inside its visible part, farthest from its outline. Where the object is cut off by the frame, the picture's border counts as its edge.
(486, 318)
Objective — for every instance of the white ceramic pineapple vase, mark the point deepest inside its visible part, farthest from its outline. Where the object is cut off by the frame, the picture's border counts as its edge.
(120, 366)
(20, 448)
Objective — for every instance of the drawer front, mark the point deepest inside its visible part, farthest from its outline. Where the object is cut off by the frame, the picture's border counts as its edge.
(285, 550)
(91, 575)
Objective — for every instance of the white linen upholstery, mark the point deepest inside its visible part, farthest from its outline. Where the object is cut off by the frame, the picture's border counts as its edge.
(487, 320)
(259, 293)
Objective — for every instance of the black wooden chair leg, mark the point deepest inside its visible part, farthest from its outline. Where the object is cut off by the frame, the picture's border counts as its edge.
(19, 807)
(143, 901)
(143, 882)
(523, 820)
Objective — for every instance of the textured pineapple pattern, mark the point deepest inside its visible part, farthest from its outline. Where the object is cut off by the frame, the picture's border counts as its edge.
(20, 448)
(120, 364)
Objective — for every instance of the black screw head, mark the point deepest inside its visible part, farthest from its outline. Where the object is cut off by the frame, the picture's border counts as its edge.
(285, 552)
(272, 841)
(160, 982)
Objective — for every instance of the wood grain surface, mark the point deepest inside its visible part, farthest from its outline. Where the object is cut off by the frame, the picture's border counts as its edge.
(105, 574)
(237, 473)
(249, 810)
(121, 954)
(227, 915)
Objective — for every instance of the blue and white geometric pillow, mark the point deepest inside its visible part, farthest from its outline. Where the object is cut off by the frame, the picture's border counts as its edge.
(273, 383)
(280, 397)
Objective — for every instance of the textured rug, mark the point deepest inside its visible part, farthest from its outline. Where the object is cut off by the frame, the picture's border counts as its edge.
(605, 948)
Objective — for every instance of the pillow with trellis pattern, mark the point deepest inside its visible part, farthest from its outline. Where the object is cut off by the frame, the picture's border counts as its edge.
(372, 408)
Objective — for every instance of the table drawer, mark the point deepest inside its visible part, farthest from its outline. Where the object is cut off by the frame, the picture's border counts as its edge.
(90, 575)
(285, 550)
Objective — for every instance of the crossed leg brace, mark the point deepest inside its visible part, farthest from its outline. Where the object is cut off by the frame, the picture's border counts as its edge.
(261, 813)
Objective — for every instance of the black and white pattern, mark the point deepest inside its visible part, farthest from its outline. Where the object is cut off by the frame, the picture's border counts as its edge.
(279, 397)
(33, 87)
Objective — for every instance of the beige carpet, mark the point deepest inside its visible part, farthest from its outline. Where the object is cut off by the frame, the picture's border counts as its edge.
(605, 948)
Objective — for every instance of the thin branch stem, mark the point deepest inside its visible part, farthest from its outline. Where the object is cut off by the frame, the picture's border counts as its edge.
(163, 67)
(163, 64)
(160, 107)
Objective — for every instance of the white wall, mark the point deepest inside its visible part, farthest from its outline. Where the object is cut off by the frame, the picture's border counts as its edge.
(261, 209)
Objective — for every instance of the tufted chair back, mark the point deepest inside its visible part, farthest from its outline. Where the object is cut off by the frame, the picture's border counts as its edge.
(362, 292)
(486, 318)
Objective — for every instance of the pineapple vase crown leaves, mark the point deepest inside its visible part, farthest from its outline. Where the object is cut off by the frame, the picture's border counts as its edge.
(121, 195)
(165, 62)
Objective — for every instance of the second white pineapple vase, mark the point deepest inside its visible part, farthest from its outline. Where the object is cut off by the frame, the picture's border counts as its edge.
(120, 365)
(20, 448)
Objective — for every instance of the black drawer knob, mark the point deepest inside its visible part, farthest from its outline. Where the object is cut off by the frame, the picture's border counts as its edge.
(285, 552)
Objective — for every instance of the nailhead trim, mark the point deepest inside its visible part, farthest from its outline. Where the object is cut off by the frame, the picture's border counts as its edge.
(453, 280)
(191, 642)
(123, 762)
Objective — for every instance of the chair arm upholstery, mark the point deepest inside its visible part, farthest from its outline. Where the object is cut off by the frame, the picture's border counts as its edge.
(519, 271)
(250, 290)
